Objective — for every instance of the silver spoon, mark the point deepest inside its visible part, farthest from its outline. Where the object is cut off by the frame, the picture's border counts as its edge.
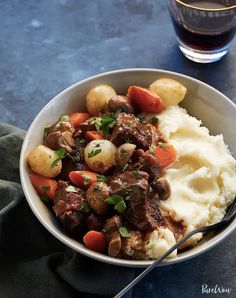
(228, 216)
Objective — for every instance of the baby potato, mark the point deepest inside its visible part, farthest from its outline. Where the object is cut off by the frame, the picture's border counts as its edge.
(96, 196)
(170, 91)
(100, 155)
(98, 97)
(40, 161)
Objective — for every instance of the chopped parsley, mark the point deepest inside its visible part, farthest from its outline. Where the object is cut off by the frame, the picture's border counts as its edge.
(113, 199)
(45, 187)
(61, 153)
(107, 122)
(151, 150)
(57, 126)
(45, 131)
(101, 178)
(94, 153)
(71, 189)
(96, 121)
(162, 145)
(118, 202)
(64, 117)
(85, 206)
(120, 206)
(124, 232)
(117, 112)
(97, 187)
(128, 140)
(154, 120)
(87, 180)
(122, 152)
(141, 119)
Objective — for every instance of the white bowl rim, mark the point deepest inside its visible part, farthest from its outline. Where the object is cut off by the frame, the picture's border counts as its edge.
(98, 256)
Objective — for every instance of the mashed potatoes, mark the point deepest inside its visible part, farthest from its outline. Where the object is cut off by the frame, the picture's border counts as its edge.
(202, 179)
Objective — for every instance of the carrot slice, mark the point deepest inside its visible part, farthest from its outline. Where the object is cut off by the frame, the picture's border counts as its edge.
(44, 185)
(93, 135)
(83, 179)
(95, 240)
(77, 118)
(164, 153)
(146, 100)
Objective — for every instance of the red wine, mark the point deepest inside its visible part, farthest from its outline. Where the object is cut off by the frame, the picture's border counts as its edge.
(202, 31)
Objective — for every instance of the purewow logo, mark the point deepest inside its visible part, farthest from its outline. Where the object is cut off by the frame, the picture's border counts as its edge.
(215, 289)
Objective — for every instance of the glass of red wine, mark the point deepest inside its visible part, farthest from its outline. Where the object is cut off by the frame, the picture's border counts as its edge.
(204, 28)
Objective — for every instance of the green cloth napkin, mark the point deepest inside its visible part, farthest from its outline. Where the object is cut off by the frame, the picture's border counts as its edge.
(32, 262)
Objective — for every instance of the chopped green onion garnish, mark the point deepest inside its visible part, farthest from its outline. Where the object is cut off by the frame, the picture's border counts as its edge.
(64, 117)
(151, 150)
(44, 187)
(124, 232)
(113, 199)
(87, 180)
(154, 120)
(101, 178)
(122, 152)
(117, 112)
(86, 207)
(120, 206)
(45, 131)
(163, 145)
(94, 153)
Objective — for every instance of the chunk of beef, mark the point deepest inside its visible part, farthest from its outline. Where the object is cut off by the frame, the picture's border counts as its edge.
(70, 208)
(146, 162)
(94, 222)
(142, 211)
(129, 127)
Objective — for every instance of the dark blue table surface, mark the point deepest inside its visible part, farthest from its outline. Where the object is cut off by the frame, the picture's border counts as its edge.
(45, 46)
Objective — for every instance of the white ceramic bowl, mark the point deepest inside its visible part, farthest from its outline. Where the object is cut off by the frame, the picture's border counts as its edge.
(215, 110)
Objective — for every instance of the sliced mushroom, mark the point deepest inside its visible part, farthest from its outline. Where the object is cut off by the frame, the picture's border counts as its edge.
(162, 187)
(114, 246)
(112, 226)
(68, 137)
(61, 126)
(56, 140)
(120, 102)
(123, 153)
